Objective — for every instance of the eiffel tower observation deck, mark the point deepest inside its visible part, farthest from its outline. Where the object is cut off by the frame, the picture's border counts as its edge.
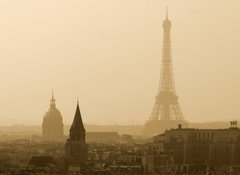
(166, 112)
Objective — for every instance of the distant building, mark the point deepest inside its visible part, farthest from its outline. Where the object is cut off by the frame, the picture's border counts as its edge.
(102, 137)
(76, 147)
(52, 126)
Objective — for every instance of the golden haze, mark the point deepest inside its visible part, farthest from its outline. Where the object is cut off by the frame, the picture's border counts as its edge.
(109, 53)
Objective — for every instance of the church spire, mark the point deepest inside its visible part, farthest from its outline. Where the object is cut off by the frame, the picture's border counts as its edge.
(76, 147)
(77, 124)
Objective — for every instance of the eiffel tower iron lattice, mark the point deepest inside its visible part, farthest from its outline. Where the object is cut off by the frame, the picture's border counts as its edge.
(166, 105)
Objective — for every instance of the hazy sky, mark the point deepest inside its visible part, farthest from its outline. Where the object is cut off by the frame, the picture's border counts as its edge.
(108, 53)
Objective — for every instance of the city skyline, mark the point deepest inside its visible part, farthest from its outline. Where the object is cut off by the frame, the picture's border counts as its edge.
(112, 61)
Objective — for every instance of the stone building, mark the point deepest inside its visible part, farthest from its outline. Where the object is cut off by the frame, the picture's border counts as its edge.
(52, 126)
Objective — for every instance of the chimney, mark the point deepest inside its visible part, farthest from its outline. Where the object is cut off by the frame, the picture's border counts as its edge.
(179, 126)
(233, 124)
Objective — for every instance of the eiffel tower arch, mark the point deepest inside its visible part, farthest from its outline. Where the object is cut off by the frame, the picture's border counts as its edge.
(166, 112)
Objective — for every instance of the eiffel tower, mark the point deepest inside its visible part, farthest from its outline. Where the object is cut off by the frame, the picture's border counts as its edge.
(166, 112)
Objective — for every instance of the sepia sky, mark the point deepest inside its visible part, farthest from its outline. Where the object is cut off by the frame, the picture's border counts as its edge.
(108, 53)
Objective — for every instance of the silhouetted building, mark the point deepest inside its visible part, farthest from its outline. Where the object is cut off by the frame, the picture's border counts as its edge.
(52, 126)
(166, 112)
(76, 147)
(214, 147)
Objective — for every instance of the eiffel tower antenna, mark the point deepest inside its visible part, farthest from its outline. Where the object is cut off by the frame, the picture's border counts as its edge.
(167, 12)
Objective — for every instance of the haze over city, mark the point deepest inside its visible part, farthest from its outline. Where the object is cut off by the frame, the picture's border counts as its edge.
(108, 53)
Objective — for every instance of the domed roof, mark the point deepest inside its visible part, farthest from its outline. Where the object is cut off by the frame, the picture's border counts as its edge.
(53, 114)
(52, 126)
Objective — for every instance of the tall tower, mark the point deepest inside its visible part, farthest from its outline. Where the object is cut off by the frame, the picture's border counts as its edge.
(166, 112)
(76, 147)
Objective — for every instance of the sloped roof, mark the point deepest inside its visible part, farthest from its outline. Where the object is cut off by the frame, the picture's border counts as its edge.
(77, 124)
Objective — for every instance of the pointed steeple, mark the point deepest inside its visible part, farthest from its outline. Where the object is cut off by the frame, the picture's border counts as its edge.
(77, 124)
(76, 147)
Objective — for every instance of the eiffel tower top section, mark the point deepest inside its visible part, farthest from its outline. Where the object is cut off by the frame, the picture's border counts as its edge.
(166, 105)
(166, 78)
(167, 23)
